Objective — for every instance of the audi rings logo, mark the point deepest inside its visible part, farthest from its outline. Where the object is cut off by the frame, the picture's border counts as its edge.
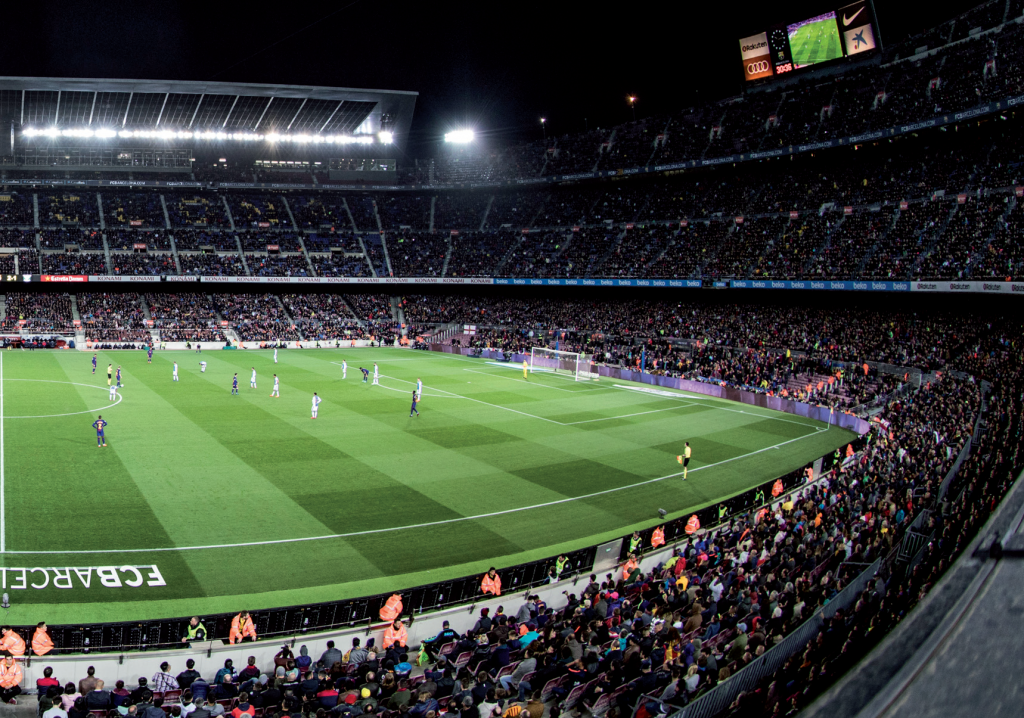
(754, 68)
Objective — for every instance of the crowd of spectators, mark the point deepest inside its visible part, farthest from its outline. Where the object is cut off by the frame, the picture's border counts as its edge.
(132, 209)
(73, 263)
(142, 263)
(257, 241)
(256, 317)
(601, 328)
(184, 317)
(317, 211)
(40, 312)
(277, 265)
(126, 239)
(323, 316)
(337, 264)
(196, 211)
(56, 210)
(16, 209)
(258, 210)
(112, 317)
(10, 237)
(188, 239)
(211, 264)
(61, 238)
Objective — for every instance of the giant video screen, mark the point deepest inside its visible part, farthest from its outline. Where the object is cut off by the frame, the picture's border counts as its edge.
(832, 35)
(814, 40)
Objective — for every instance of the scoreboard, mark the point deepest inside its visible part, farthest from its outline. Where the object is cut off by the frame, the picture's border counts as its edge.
(836, 33)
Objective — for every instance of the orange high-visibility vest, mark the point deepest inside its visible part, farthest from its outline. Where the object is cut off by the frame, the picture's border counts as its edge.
(41, 642)
(392, 609)
(777, 487)
(13, 644)
(10, 676)
(658, 537)
(628, 567)
(849, 449)
(693, 524)
(491, 585)
(393, 635)
(241, 629)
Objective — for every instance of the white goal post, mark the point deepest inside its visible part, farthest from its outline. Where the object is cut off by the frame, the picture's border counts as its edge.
(575, 364)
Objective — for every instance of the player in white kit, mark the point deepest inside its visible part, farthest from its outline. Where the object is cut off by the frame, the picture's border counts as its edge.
(344, 368)
(316, 404)
(275, 355)
(252, 381)
(277, 387)
(376, 375)
(175, 371)
(202, 367)
(419, 388)
(113, 390)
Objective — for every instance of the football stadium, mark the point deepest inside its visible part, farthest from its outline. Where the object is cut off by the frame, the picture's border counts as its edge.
(311, 409)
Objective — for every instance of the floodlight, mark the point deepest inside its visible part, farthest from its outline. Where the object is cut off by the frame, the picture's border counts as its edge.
(386, 137)
(460, 137)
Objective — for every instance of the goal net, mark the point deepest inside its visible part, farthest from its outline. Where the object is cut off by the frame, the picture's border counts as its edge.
(577, 365)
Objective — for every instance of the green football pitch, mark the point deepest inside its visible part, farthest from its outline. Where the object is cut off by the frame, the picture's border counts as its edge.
(815, 42)
(206, 502)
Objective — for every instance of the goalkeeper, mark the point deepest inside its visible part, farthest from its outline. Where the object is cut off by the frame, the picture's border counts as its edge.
(525, 367)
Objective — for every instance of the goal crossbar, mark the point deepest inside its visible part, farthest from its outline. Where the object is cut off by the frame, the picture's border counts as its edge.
(575, 364)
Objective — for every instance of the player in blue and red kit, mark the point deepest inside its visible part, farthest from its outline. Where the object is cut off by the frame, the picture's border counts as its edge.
(118, 377)
(149, 352)
(415, 400)
(93, 363)
(99, 425)
(366, 374)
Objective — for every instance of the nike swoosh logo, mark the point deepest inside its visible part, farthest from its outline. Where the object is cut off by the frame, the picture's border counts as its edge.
(848, 20)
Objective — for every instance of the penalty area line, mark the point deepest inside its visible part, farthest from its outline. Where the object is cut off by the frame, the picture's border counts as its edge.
(441, 522)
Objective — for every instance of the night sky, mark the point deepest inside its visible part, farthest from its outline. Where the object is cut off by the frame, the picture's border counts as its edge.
(497, 67)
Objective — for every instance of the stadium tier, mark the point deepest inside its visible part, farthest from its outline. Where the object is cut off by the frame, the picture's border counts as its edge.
(624, 498)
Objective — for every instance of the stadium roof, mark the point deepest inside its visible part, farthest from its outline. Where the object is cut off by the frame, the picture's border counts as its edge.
(220, 106)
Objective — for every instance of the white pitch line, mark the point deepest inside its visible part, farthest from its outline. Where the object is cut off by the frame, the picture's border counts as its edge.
(72, 413)
(626, 416)
(478, 401)
(734, 411)
(413, 526)
(530, 383)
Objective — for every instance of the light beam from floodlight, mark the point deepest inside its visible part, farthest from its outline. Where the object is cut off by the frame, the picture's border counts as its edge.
(460, 137)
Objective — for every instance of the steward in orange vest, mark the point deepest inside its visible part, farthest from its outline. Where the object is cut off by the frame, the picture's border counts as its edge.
(658, 537)
(693, 525)
(627, 568)
(41, 641)
(491, 582)
(392, 609)
(242, 627)
(12, 642)
(395, 633)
